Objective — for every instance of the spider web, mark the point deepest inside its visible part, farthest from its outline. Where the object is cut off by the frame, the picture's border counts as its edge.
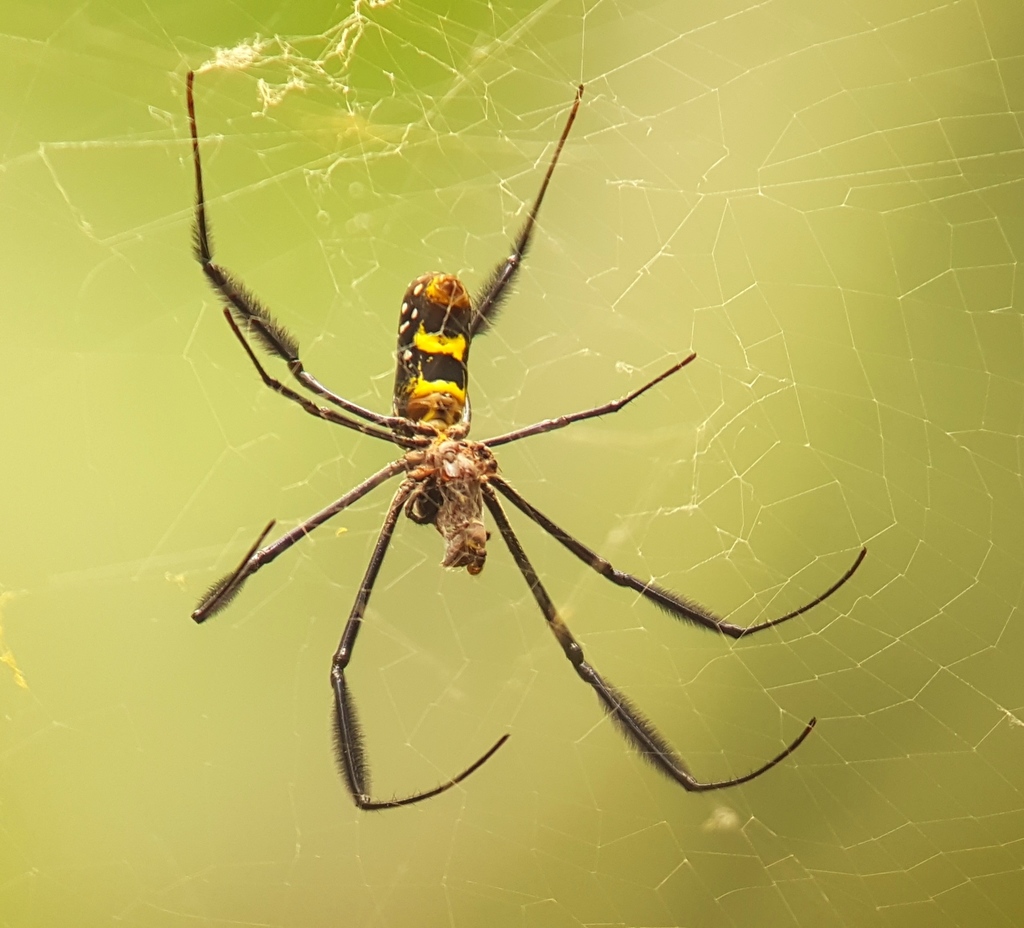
(823, 201)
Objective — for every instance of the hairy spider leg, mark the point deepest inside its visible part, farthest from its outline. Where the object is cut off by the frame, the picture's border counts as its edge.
(348, 732)
(224, 590)
(673, 603)
(632, 724)
(256, 319)
(438, 320)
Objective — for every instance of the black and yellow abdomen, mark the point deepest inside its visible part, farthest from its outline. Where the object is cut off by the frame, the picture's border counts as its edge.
(431, 378)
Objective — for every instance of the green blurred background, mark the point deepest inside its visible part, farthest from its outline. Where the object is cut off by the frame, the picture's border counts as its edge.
(823, 200)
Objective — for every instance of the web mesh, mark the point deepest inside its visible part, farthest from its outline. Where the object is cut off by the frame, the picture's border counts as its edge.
(824, 202)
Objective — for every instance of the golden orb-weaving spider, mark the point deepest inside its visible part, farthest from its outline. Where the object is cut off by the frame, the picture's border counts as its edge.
(448, 481)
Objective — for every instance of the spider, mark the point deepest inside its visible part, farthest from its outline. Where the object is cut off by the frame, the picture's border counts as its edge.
(448, 481)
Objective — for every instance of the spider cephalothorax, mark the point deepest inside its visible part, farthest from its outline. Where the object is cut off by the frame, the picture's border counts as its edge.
(448, 478)
(449, 481)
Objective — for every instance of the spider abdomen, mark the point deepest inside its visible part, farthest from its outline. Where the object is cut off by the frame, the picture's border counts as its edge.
(433, 348)
(450, 475)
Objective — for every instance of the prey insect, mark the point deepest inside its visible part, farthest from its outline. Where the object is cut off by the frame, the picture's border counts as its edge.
(448, 481)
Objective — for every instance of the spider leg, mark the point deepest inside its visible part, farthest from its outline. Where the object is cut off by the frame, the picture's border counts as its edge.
(321, 412)
(225, 589)
(255, 317)
(351, 752)
(488, 303)
(671, 602)
(550, 425)
(636, 729)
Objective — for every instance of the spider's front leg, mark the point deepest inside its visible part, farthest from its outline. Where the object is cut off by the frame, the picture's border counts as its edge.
(351, 750)
(636, 729)
(673, 603)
